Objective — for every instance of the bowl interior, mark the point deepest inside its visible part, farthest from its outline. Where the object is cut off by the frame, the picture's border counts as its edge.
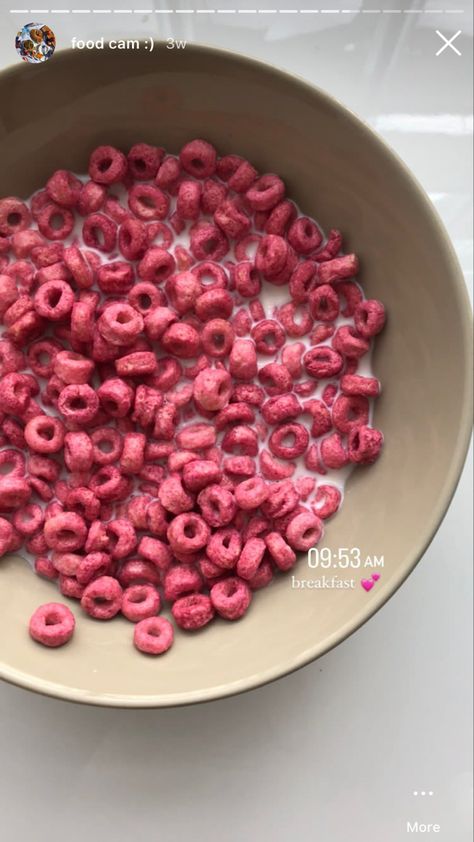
(341, 174)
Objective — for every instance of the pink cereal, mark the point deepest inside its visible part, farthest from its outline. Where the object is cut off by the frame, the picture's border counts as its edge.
(140, 602)
(364, 445)
(272, 469)
(28, 519)
(348, 342)
(93, 566)
(304, 235)
(304, 531)
(295, 433)
(231, 218)
(153, 635)
(275, 378)
(122, 538)
(280, 218)
(333, 452)
(224, 547)
(217, 505)
(231, 598)
(44, 567)
(324, 303)
(322, 362)
(281, 552)
(212, 388)
(148, 202)
(102, 598)
(268, 336)
(107, 165)
(369, 318)
(208, 242)
(266, 192)
(14, 216)
(44, 434)
(189, 532)
(217, 338)
(143, 161)
(181, 579)
(198, 158)
(240, 440)
(350, 296)
(349, 412)
(182, 340)
(193, 612)
(99, 232)
(326, 501)
(251, 493)
(250, 558)
(338, 269)
(65, 532)
(138, 571)
(52, 624)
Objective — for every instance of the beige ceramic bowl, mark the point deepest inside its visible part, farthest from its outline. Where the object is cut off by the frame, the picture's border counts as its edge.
(342, 174)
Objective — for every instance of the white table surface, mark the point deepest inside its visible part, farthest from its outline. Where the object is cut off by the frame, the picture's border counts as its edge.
(335, 752)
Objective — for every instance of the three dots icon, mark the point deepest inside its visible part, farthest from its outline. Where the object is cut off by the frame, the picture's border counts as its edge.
(416, 792)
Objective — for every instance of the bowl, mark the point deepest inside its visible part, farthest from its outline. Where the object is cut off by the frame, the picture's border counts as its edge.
(341, 173)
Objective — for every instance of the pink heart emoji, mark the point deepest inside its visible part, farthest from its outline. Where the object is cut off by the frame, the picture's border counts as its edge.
(367, 584)
(375, 577)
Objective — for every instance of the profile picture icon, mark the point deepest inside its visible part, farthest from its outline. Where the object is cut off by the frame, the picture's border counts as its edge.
(35, 43)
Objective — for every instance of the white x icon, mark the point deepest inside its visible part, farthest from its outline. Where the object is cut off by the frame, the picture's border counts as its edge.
(448, 42)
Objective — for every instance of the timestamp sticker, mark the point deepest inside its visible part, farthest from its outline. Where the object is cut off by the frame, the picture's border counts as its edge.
(340, 569)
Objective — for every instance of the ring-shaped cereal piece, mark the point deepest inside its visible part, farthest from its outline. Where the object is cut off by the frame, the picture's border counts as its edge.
(304, 531)
(52, 624)
(64, 188)
(148, 202)
(153, 635)
(54, 300)
(102, 598)
(364, 445)
(251, 493)
(369, 318)
(298, 436)
(156, 265)
(322, 362)
(268, 336)
(99, 232)
(120, 323)
(304, 235)
(326, 501)
(349, 412)
(198, 158)
(266, 192)
(324, 303)
(192, 612)
(12, 463)
(44, 434)
(217, 504)
(14, 216)
(143, 161)
(28, 519)
(65, 532)
(107, 165)
(224, 547)
(189, 532)
(78, 403)
(231, 598)
(55, 222)
(140, 602)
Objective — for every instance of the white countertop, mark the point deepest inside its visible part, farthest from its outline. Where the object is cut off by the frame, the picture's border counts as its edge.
(336, 751)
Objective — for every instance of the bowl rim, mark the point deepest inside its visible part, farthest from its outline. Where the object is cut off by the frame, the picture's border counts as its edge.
(459, 289)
